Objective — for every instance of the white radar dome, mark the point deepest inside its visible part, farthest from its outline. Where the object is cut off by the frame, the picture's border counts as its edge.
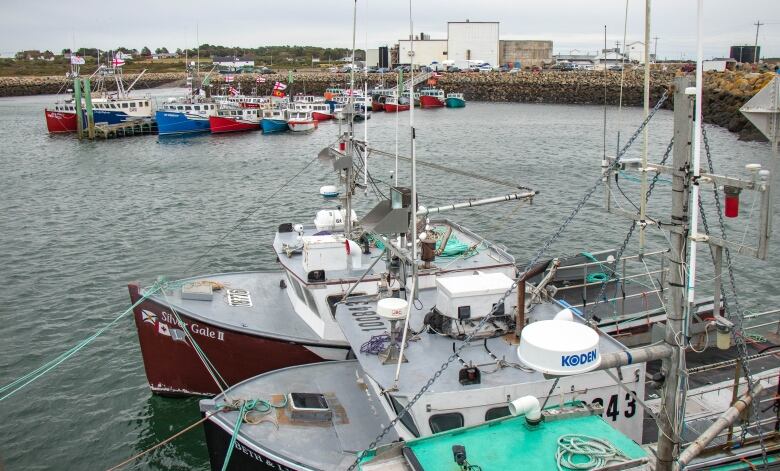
(392, 308)
(559, 347)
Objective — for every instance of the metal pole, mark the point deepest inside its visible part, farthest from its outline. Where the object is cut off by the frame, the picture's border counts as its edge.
(727, 418)
(696, 160)
(716, 289)
(683, 116)
(351, 142)
(645, 142)
(414, 160)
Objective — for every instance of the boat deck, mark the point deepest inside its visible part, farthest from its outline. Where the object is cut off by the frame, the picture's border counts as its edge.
(328, 444)
(426, 352)
(271, 310)
(486, 255)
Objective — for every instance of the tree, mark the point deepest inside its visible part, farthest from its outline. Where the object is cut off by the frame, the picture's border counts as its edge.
(161, 50)
(146, 52)
(66, 51)
(179, 52)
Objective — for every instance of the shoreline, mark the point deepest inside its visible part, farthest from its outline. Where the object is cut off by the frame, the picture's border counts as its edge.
(724, 92)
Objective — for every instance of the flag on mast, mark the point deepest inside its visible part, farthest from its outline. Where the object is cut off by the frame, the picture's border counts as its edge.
(279, 89)
(229, 79)
(118, 61)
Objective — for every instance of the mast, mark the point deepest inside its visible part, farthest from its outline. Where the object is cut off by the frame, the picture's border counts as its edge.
(351, 143)
(683, 115)
(645, 141)
(414, 158)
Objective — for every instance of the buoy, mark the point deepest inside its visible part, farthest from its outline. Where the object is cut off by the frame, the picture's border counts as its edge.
(329, 191)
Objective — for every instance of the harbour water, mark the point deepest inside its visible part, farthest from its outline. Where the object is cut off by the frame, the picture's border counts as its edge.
(81, 219)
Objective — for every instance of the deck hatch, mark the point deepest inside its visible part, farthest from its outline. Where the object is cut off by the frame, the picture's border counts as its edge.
(309, 407)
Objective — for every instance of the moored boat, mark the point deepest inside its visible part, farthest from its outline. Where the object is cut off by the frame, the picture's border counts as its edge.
(394, 105)
(455, 100)
(185, 116)
(431, 98)
(231, 119)
(301, 121)
(274, 120)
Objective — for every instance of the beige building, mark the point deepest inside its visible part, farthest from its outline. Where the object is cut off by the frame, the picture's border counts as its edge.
(425, 51)
(528, 53)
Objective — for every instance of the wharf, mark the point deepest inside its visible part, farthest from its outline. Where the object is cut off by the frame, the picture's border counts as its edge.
(143, 127)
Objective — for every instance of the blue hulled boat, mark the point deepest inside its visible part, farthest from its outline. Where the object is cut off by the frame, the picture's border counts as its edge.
(184, 118)
(274, 121)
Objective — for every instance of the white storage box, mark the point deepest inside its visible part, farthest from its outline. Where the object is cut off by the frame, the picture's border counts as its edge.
(326, 252)
(472, 296)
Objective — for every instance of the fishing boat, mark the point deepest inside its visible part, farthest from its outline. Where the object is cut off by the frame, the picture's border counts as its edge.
(431, 98)
(274, 120)
(455, 100)
(108, 107)
(232, 119)
(301, 121)
(394, 105)
(188, 115)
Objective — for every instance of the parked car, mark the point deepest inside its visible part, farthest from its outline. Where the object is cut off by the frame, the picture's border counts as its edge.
(563, 66)
(515, 70)
(485, 68)
(503, 68)
(264, 70)
(382, 70)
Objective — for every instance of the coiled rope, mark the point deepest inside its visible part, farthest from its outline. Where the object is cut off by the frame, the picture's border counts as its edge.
(585, 452)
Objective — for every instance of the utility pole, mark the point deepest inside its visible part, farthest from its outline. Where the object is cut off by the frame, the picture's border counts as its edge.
(655, 49)
(668, 440)
(757, 24)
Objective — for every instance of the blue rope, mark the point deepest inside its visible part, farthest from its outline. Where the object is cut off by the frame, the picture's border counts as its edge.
(20, 383)
(241, 412)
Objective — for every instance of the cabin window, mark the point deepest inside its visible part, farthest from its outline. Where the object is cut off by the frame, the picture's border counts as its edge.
(310, 301)
(132, 105)
(406, 420)
(497, 413)
(444, 422)
(196, 107)
(146, 103)
(124, 105)
(188, 108)
(180, 108)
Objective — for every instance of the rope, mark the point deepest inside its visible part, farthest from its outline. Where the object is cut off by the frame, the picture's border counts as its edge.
(18, 384)
(596, 452)
(246, 407)
(167, 440)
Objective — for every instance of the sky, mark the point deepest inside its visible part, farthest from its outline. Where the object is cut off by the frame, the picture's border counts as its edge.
(572, 25)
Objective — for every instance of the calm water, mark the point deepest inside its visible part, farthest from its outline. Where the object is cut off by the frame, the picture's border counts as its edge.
(81, 219)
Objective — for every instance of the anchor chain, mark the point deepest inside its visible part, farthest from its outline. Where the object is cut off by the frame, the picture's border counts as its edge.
(736, 314)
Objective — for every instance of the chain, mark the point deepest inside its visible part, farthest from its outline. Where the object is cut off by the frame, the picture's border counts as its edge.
(488, 317)
(738, 319)
(601, 297)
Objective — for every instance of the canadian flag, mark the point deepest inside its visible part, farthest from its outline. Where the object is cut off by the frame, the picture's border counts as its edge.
(163, 329)
(228, 79)
(233, 91)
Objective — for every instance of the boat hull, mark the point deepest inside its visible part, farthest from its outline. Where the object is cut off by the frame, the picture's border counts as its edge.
(171, 123)
(321, 116)
(302, 126)
(455, 103)
(377, 106)
(273, 125)
(392, 108)
(58, 122)
(173, 368)
(219, 124)
(243, 458)
(430, 102)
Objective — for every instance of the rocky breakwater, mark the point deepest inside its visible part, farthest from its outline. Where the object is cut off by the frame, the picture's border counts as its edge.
(725, 93)
(19, 86)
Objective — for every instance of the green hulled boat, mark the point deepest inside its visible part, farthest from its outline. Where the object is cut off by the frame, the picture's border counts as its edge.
(455, 100)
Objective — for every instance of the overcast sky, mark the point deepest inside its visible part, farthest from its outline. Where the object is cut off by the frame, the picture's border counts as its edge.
(570, 24)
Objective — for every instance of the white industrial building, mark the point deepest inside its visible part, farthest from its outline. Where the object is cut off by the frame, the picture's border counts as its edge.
(372, 57)
(473, 40)
(426, 51)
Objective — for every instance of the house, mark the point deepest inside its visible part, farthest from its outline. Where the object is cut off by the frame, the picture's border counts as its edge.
(163, 55)
(233, 62)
